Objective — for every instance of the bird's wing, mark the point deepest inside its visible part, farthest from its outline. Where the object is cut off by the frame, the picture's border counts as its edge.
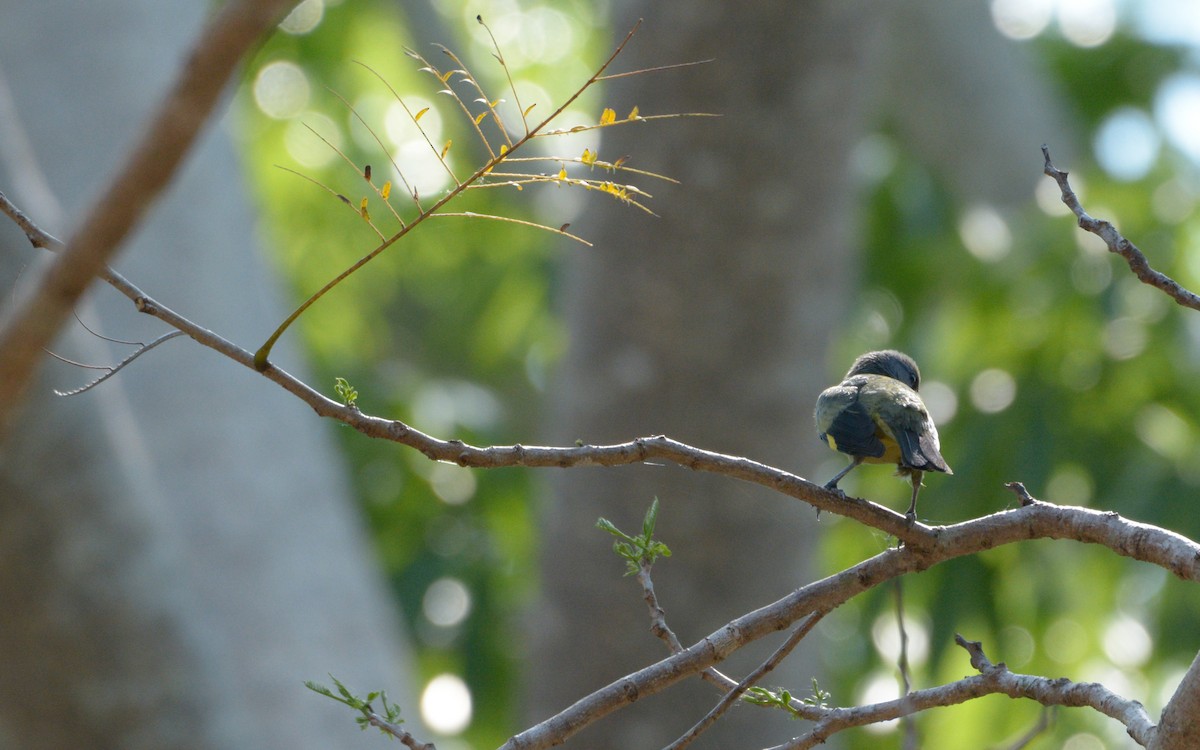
(906, 419)
(844, 424)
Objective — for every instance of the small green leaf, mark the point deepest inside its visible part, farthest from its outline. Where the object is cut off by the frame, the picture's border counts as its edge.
(650, 519)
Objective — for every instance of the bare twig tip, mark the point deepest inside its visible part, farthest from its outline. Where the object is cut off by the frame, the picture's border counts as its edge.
(1019, 490)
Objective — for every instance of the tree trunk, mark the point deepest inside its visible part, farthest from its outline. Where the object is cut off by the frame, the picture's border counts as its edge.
(712, 323)
(709, 324)
(178, 549)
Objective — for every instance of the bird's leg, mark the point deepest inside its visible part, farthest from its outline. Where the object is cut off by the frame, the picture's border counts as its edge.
(832, 483)
(915, 476)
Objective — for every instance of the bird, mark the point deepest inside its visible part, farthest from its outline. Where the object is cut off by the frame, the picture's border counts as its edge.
(876, 416)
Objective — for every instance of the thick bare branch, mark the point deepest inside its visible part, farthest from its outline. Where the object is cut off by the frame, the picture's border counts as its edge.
(1180, 722)
(1117, 243)
(1037, 520)
(29, 324)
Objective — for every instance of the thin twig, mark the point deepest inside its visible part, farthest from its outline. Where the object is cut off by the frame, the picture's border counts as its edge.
(659, 627)
(416, 121)
(781, 653)
(508, 73)
(262, 356)
(655, 69)
(910, 727)
(510, 220)
(1045, 719)
(36, 235)
(28, 325)
(114, 369)
(341, 198)
(1117, 243)
(406, 738)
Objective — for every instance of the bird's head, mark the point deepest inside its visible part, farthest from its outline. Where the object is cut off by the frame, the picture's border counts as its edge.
(889, 363)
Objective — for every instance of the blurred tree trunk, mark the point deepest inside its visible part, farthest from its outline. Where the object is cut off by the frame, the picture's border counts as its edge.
(711, 324)
(178, 549)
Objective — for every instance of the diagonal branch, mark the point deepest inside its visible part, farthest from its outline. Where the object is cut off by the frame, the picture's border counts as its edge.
(1037, 520)
(993, 679)
(27, 326)
(749, 681)
(1117, 243)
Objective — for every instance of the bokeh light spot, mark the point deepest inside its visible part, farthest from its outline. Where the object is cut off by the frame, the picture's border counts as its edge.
(1070, 484)
(941, 400)
(304, 17)
(993, 391)
(885, 634)
(446, 704)
(985, 234)
(1127, 144)
(877, 689)
(1126, 642)
(1164, 431)
(1021, 19)
(281, 90)
(1065, 641)
(446, 603)
(453, 484)
(1125, 338)
(305, 147)
(1087, 23)
(1177, 109)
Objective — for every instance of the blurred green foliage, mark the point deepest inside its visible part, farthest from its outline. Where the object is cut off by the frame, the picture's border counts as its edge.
(451, 330)
(1050, 364)
(1104, 415)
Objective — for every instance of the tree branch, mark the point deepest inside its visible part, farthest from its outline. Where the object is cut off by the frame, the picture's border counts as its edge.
(1180, 722)
(992, 679)
(1038, 520)
(27, 326)
(1117, 243)
(748, 682)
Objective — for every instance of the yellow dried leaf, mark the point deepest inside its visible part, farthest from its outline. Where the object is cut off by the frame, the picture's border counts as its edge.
(562, 173)
(479, 117)
(362, 210)
(529, 109)
(446, 148)
(386, 190)
(633, 113)
(446, 76)
(588, 157)
(417, 117)
(503, 149)
(608, 116)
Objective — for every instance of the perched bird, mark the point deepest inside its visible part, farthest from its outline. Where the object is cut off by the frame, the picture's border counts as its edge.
(875, 416)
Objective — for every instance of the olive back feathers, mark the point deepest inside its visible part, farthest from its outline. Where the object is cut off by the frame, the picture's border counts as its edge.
(875, 415)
